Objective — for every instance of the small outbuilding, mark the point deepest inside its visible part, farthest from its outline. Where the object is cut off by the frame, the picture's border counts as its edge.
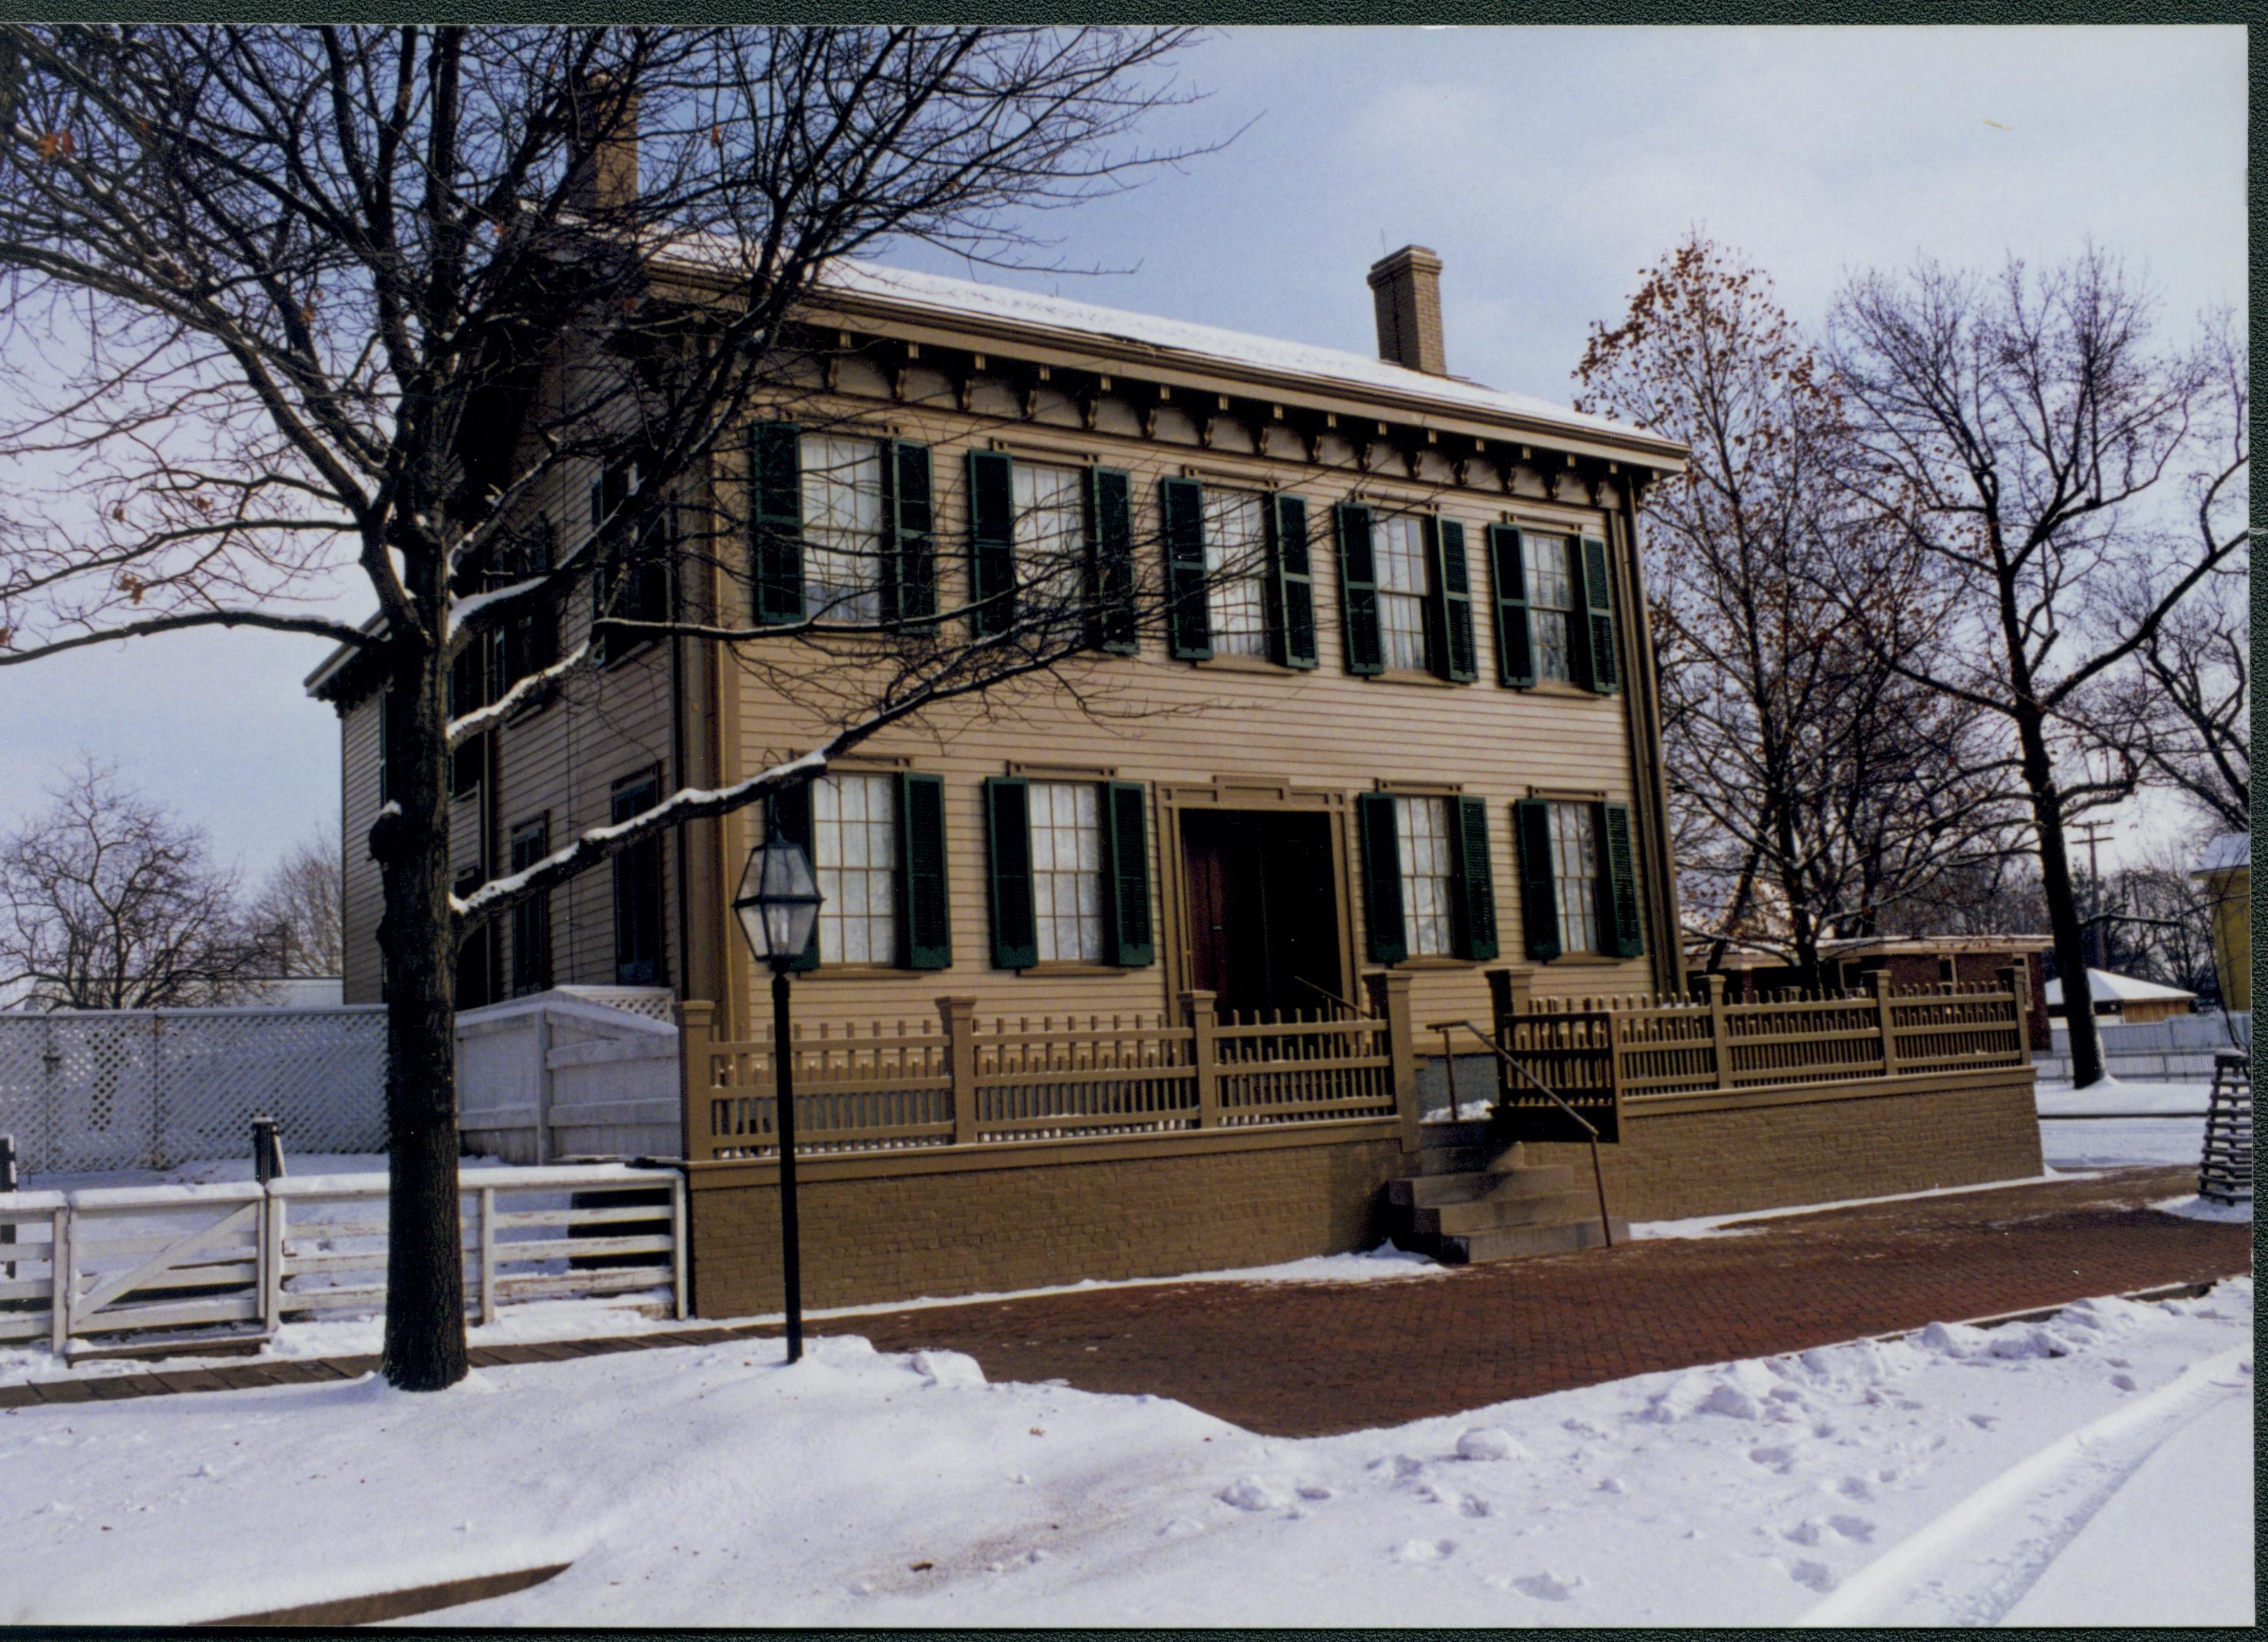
(2225, 871)
(2126, 999)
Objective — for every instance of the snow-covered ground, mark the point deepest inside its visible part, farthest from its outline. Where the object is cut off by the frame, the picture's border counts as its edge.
(2096, 1466)
(2103, 1143)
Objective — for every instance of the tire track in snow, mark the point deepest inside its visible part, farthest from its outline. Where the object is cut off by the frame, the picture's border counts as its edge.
(1972, 1565)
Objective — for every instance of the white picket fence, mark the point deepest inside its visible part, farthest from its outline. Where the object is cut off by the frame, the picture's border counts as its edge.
(122, 1260)
(152, 1088)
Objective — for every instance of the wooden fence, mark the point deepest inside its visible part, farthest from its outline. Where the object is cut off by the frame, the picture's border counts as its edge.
(1597, 1052)
(960, 1080)
(115, 1261)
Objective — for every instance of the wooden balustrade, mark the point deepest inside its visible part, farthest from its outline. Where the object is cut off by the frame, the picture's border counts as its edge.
(962, 1079)
(1603, 1050)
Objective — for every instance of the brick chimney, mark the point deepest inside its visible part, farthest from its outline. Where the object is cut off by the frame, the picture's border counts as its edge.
(1407, 289)
(607, 123)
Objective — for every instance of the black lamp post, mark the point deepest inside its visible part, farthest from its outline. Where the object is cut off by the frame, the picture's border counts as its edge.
(777, 905)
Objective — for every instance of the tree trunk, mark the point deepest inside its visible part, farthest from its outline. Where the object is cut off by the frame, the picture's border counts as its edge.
(2064, 926)
(424, 1346)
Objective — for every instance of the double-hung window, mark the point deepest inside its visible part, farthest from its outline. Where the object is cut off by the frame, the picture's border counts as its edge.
(1550, 607)
(842, 528)
(1428, 888)
(530, 640)
(877, 847)
(637, 890)
(1579, 890)
(531, 919)
(632, 581)
(1401, 592)
(1066, 827)
(854, 849)
(1236, 570)
(1050, 544)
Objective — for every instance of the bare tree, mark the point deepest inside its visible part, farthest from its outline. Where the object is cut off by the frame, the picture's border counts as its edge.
(299, 909)
(1812, 782)
(2016, 429)
(354, 295)
(108, 901)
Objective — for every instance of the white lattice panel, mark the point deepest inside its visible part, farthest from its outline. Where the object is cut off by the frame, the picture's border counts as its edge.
(155, 1088)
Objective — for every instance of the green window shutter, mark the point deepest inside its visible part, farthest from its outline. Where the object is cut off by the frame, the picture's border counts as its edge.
(1111, 537)
(1008, 844)
(1515, 650)
(1381, 878)
(1189, 626)
(775, 521)
(909, 552)
(1127, 873)
(1600, 670)
(1618, 918)
(992, 541)
(1365, 645)
(1453, 591)
(924, 912)
(1531, 827)
(1476, 925)
(790, 812)
(1291, 583)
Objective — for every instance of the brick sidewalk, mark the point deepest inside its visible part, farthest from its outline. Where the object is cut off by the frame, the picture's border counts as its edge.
(1310, 1359)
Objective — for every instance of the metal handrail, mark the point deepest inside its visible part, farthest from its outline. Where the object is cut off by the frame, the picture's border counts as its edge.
(1598, 1176)
(1324, 991)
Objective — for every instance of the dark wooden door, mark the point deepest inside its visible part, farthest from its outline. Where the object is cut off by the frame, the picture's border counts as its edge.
(1263, 910)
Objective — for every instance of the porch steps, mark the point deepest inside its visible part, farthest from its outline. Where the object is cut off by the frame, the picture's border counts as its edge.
(1474, 1199)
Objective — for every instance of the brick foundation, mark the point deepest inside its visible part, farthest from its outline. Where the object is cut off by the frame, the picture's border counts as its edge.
(1013, 1218)
(1686, 1156)
(883, 1237)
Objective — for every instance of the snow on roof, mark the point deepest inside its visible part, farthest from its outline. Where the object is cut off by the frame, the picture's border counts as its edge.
(2122, 989)
(2231, 850)
(1205, 341)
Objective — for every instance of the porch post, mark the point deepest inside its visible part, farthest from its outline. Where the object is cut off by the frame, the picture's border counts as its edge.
(1721, 1036)
(694, 1018)
(2016, 981)
(1389, 1001)
(958, 1015)
(1205, 1055)
(1885, 1013)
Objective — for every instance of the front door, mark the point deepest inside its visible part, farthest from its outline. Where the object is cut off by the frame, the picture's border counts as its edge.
(1262, 912)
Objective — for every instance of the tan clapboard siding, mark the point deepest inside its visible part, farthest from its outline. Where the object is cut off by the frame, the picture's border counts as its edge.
(361, 899)
(1181, 724)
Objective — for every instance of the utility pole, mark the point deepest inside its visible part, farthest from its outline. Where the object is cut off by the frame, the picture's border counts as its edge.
(2092, 833)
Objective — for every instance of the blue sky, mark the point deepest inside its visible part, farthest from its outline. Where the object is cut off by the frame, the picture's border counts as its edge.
(1546, 165)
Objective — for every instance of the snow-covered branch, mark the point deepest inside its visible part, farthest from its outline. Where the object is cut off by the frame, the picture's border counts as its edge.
(463, 730)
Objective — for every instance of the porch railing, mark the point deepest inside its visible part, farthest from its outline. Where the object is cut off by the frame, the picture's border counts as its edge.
(963, 1079)
(1597, 1052)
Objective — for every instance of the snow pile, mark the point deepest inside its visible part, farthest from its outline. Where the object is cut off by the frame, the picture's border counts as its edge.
(1933, 1479)
(2207, 1209)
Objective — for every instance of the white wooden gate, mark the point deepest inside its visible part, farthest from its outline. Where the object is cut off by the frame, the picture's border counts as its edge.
(125, 1260)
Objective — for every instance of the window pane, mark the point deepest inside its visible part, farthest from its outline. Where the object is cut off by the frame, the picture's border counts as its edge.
(1423, 843)
(1236, 550)
(1551, 596)
(1575, 874)
(1066, 818)
(854, 851)
(1400, 550)
(1051, 537)
(842, 527)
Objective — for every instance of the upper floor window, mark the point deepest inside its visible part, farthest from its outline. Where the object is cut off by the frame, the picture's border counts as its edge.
(1236, 565)
(842, 528)
(1066, 830)
(531, 919)
(1550, 607)
(854, 838)
(631, 580)
(1402, 590)
(1050, 539)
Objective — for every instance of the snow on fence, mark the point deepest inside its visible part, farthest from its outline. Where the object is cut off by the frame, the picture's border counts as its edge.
(119, 1260)
(958, 1079)
(103, 1089)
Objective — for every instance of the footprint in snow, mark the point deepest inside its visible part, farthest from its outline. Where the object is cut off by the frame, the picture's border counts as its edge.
(1983, 1422)
(1315, 1491)
(1852, 1527)
(1804, 1533)
(1612, 1485)
(1179, 1527)
(1855, 1488)
(1779, 1458)
(2124, 1382)
(1548, 1587)
(1815, 1574)
(1475, 1507)
(1425, 1550)
(1250, 1493)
